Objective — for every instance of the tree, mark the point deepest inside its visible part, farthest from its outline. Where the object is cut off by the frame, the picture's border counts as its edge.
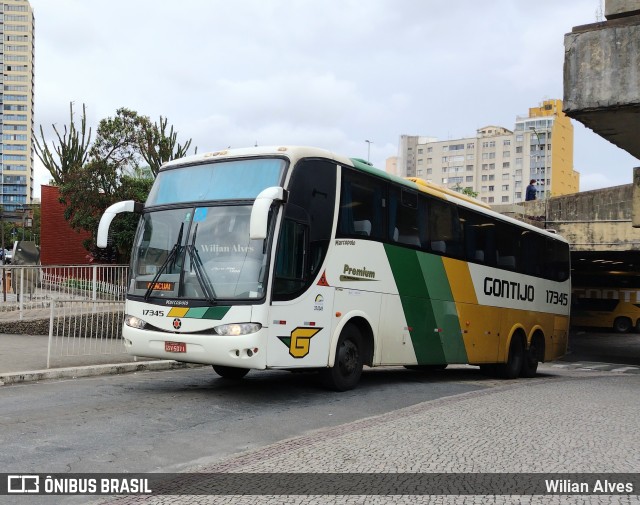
(110, 171)
(156, 147)
(72, 149)
(469, 192)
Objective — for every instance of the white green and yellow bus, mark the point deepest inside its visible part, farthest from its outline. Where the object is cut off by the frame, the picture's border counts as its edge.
(297, 258)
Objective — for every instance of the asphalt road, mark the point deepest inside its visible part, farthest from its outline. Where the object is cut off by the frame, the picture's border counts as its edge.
(604, 346)
(165, 421)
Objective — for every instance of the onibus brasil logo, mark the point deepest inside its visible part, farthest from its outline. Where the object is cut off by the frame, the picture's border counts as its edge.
(299, 341)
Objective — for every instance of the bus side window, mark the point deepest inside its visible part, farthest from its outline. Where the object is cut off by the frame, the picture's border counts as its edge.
(403, 222)
(479, 237)
(445, 231)
(361, 206)
(312, 194)
(507, 246)
(532, 249)
(290, 259)
(557, 260)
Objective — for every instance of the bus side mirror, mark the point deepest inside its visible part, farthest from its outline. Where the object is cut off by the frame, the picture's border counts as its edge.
(111, 212)
(260, 211)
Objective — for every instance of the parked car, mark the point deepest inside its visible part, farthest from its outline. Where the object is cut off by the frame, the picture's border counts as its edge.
(5, 255)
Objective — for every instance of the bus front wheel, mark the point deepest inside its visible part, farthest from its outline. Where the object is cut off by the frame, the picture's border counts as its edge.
(622, 324)
(347, 368)
(230, 372)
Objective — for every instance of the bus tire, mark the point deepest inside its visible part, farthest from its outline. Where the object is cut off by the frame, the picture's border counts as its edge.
(230, 372)
(622, 324)
(530, 360)
(512, 368)
(347, 368)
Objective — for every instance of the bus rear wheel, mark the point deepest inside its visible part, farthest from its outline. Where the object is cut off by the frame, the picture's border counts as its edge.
(347, 368)
(622, 324)
(530, 360)
(230, 372)
(512, 368)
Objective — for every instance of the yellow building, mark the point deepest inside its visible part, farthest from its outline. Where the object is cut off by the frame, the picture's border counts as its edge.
(498, 163)
(550, 149)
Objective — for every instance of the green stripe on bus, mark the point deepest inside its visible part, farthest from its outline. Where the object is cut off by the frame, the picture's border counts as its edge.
(216, 312)
(428, 306)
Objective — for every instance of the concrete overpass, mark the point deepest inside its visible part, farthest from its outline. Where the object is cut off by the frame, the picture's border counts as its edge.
(602, 75)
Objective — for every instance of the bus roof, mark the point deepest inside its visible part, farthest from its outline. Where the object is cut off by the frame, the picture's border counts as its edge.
(294, 153)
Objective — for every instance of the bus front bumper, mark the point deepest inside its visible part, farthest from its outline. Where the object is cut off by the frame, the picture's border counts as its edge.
(242, 351)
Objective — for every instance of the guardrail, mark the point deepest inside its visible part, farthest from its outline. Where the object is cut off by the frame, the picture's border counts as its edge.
(27, 290)
(80, 307)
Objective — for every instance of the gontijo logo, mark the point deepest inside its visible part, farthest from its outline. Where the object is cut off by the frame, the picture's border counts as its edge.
(299, 341)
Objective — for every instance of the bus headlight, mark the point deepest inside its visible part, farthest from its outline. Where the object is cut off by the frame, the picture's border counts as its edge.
(134, 322)
(237, 329)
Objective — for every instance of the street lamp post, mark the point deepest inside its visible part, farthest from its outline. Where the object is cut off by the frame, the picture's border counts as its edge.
(369, 142)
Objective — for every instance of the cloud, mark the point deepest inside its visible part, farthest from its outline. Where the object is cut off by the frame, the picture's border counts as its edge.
(330, 73)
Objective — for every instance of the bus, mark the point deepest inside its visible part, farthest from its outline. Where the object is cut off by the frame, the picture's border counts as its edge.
(296, 258)
(608, 300)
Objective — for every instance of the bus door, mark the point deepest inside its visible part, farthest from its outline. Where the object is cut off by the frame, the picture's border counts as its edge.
(300, 315)
(300, 330)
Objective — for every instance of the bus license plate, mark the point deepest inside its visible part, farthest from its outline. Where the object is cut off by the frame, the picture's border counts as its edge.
(175, 347)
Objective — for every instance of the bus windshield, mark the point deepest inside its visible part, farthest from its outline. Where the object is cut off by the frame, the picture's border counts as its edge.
(223, 180)
(198, 253)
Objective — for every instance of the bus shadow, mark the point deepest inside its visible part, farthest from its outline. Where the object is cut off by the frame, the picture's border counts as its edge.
(276, 385)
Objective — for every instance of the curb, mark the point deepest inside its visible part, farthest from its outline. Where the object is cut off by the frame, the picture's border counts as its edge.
(92, 370)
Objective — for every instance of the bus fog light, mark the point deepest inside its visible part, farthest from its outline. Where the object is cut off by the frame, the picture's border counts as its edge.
(134, 322)
(237, 329)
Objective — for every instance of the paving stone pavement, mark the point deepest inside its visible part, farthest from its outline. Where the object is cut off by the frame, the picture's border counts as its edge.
(572, 419)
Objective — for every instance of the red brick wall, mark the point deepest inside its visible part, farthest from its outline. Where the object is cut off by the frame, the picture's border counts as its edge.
(60, 244)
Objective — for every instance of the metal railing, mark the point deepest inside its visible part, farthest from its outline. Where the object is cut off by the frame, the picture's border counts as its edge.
(85, 328)
(81, 307)
(27, 291)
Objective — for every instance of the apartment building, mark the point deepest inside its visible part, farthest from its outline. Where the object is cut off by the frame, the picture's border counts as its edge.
(498, 163)
(16, 119)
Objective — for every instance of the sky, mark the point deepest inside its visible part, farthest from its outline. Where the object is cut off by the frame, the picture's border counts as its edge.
(327, 73)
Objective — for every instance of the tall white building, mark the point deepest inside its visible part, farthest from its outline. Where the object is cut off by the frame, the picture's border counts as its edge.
(16, 119)
(498, 163)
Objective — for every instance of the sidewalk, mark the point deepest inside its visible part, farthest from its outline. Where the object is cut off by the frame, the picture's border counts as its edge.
(23, 358)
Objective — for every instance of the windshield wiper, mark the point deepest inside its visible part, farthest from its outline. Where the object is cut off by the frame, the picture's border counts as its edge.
(203, 279)
(171, 256)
